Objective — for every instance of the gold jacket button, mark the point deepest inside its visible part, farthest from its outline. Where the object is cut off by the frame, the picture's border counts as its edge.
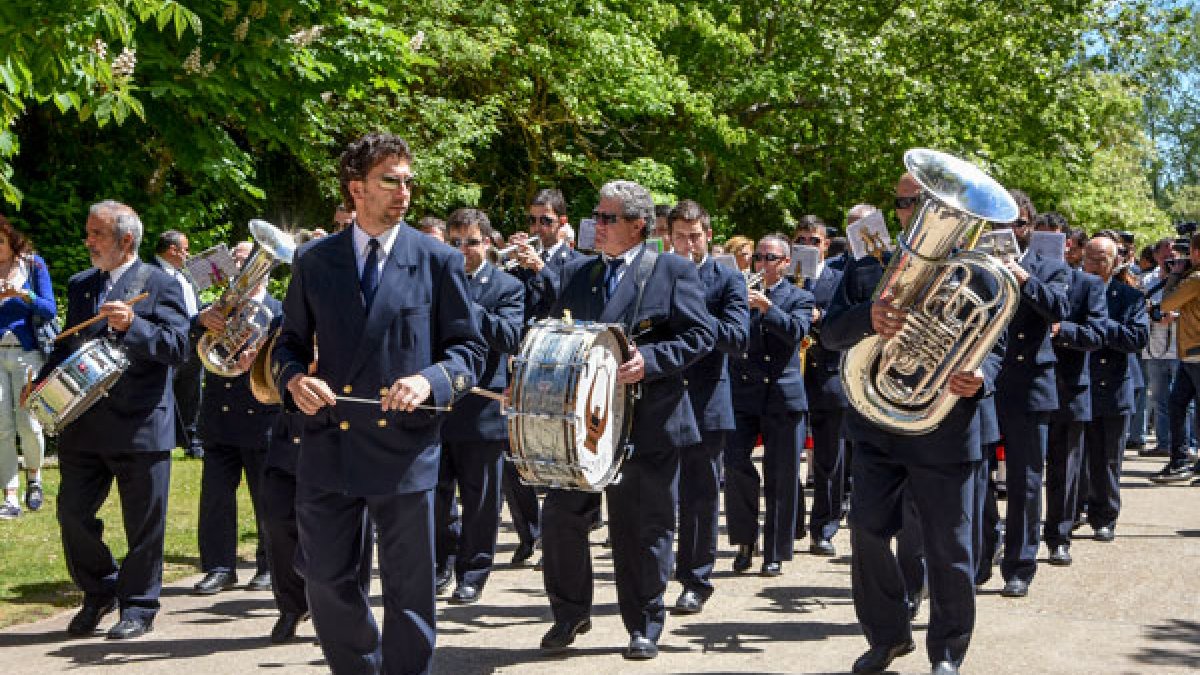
(1020, 357)
(229, 385)
(1020, 336)
(766, 357)
(1103, 360)
(347, 389)
(224, 408)
(344, 426)
(249, 411)
(766, 380)
(382, 423)
(296, 440)
(383, 391)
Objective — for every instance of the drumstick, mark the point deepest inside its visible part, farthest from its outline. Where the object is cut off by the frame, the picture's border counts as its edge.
(374, 401)
(80, 326)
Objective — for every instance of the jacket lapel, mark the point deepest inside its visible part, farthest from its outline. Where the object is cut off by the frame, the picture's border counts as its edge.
(397, 275)
(123, 290)
(625, 293)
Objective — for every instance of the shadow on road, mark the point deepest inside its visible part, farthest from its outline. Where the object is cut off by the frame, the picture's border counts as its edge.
(1183, 653)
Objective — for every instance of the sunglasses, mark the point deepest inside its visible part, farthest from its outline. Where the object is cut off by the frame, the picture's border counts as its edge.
(907, 202)
(391, 182)
(542, 220)
(606, 218)
(808, 241)
(459, 243)
(769, 257)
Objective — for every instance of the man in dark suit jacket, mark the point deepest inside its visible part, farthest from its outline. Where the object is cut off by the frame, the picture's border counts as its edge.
(1126, 331)
(659, 301)
(1026, 396)
(393, 315)
(826, 399)
(475, 434)
(707, 382)
(939, 469)
(127, 435)
(235, 428)
(768, 399)
(170, 254)
(1075, 337)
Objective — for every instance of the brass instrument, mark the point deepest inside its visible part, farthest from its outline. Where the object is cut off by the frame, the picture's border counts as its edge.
(754, 281)
(503, 259)
(958, 303)
(246, 319)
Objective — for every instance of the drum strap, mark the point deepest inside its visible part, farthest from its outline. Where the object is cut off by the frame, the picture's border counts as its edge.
(645, 267)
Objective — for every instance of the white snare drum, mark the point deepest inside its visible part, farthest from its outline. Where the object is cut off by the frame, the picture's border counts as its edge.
(569, 419)
(76, 384)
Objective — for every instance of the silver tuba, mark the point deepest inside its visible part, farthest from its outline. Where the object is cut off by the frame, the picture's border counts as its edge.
(246, 319)
(958, 303)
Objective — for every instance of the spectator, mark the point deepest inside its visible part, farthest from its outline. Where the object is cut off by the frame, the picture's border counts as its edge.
(742, 249)
(1182, 295)
(1159, 360)
(26, 300)
(342, 218)
(433, 226)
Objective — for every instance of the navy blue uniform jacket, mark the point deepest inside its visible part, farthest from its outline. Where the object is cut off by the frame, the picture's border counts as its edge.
(499, 301)
(421, 321)
(229, 413)
(1080, 333)
(672, 331)
(1126, 331)
(767, 376)
(139, 411)
(708, 379)
(1026, 380)
(821, 365)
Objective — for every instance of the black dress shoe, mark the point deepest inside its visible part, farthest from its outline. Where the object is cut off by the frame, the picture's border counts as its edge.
(562, 634)
(127, 629)
(1060, 556)
(944, 668)
(259, 582)
(523, 553)
(84, 623)
(744, 557)
(772, 569)
(465, 594)
(689, 602)
(914, 606)
(641, 648)
(1154, 452)
(285, 627)
(1015, 588)
(877, 659)
(1105, 534)
(822, 547)
(215, 582)
(442, 581)
(1173, 472)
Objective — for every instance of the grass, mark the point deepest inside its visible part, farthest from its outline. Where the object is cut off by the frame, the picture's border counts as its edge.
(34, 582)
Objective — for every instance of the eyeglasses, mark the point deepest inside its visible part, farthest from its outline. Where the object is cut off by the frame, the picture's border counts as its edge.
(808, 241)
(392, 182)
(606, 218)
(769, 257)
(907, 202)
(542, 220)
(459, 243)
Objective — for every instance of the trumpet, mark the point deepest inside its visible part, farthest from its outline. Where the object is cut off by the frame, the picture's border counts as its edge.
(504, 257)
(754, 281)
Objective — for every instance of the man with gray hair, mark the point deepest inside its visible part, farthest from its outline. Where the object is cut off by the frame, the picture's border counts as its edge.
(126, 436)
(660, 302)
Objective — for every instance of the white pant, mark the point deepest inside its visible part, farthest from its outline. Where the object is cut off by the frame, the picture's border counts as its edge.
(16, 366)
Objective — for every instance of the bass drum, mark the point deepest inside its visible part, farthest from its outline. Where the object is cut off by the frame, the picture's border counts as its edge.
(76, 384)
(570, 419)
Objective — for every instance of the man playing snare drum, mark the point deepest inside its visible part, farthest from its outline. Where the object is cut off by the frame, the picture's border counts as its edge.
(660, 302)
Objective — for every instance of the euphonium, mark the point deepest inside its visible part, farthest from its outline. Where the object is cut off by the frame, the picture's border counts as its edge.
(958, 303)
(246, 319)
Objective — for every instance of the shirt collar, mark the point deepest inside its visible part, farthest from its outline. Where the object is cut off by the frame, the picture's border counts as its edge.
(166, 264)
(386, 239)
(471, 274)
(776, 284)
(115, 275)
(628, 255)
(554, 249)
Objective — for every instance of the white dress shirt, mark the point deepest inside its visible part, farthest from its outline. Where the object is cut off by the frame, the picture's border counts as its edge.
(362, 248)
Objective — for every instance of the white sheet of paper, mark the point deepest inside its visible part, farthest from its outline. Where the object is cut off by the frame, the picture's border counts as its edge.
(587, 235)
(1050, 245)
(805, 258)
(869, 236)
(212, 267)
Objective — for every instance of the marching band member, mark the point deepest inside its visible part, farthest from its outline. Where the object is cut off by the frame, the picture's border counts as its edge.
(659, 298)
(126, 436)
(708, 388)
(768, 399)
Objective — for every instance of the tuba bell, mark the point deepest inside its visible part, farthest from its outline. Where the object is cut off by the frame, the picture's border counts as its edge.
(958, 303)
(246, 320)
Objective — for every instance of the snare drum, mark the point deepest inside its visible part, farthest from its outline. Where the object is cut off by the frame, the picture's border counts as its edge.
(569, 419)
(76, 384)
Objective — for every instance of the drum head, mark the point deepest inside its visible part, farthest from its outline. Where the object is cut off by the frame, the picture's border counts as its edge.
(601, 403)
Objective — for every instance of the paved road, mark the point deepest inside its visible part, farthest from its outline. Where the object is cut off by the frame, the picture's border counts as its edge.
(1126, 607)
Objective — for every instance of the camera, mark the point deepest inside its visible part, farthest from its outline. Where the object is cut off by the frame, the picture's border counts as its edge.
(1186, 228)
(1127, 238)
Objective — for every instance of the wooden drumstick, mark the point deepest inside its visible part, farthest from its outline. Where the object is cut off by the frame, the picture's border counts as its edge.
(80, 326)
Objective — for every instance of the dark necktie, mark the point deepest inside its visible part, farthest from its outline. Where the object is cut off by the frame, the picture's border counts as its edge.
(610, 277)
(102, 294)
(369, 283)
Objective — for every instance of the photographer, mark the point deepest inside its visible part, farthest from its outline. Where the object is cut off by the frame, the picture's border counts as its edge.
(1159, 360)
(1182, 295)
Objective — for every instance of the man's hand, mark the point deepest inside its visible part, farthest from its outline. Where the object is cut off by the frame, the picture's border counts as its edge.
(407, 393)
(886, 318)
(758, 300)
(1167, 318)
(310, 393)
(816, 316)
(119, 315)
(633, 370)
(211, 319)
(1055, 328)
(246, 358)
(529, 258)
(965, 384)
(1017, 271)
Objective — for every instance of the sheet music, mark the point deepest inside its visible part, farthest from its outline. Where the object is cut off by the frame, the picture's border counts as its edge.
(869, 237)
(212, 267)
(587, 235)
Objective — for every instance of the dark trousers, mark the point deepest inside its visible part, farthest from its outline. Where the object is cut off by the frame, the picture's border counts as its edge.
(910, 550)
(783, 439)
(187, 385)
(1183, 391)
(641, 522)
(1025, 455)
(143, 481)
(1064, 455)
(523, 506)
(1105, 448)
(699, 513)
(987, 513)
(944, 497)
(828, 470)
(332, 528)
(217, 530)
(469, 543)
